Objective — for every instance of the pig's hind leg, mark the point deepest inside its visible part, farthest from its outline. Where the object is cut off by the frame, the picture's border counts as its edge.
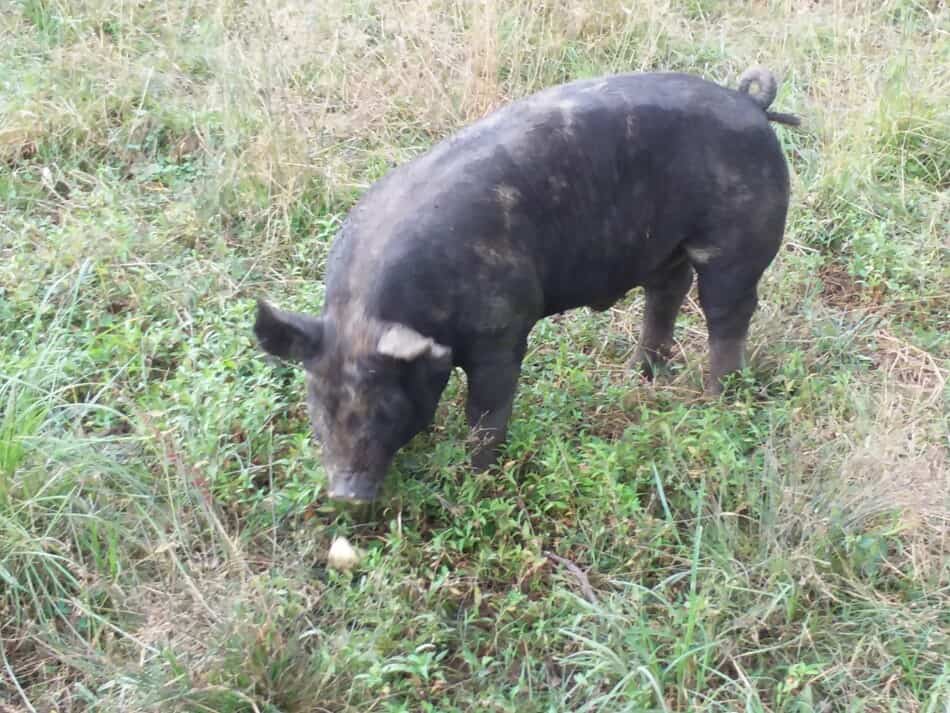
(728, 294)
(664, 297)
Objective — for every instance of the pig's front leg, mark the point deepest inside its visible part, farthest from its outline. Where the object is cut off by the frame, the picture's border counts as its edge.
(491, 393)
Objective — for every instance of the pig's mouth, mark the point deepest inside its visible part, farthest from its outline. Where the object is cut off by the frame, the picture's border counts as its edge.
(353, 487)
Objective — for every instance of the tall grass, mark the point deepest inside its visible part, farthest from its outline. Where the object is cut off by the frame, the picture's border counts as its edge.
(163, 520)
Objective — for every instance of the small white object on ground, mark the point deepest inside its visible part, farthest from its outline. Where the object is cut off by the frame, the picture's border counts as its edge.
(342, 556)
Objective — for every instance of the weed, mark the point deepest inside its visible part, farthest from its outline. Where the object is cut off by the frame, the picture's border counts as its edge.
(163, 519)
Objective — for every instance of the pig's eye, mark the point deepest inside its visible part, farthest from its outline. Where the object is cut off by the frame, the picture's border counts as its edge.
(330, 404)
(388, 410)
(384, 412)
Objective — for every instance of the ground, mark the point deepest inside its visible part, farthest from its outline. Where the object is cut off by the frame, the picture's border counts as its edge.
(163, 519)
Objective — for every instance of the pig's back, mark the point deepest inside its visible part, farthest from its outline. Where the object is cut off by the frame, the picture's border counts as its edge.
(558, 191)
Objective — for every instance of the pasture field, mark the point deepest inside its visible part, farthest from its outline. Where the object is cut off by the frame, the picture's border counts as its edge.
(163, 522)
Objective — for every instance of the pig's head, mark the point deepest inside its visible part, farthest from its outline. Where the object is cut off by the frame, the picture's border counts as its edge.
(370, 390)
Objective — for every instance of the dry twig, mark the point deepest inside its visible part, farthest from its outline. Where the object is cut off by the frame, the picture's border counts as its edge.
(579, 574)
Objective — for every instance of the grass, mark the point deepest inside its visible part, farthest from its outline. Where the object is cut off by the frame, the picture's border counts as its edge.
(163, 523)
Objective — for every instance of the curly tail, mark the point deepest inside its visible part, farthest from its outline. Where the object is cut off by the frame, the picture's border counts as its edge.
(766, 89)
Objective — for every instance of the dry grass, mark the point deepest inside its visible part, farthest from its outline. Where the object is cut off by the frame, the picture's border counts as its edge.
(162, 519)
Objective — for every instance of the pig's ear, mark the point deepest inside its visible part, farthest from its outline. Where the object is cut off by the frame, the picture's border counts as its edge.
(287, 335)
(404, 343)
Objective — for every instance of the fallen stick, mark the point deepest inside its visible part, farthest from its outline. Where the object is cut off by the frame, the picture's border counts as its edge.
(579, 574)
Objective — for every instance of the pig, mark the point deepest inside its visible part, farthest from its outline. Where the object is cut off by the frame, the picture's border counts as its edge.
(570, 197)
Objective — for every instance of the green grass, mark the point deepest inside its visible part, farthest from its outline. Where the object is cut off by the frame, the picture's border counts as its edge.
(163, 519)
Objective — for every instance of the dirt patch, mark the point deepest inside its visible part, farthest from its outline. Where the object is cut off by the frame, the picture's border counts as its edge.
(839, 289)
(842, 291)
(910, 366)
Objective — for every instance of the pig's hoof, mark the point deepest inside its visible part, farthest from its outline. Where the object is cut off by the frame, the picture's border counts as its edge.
(643, 365)
(712, 388)
(484, 460)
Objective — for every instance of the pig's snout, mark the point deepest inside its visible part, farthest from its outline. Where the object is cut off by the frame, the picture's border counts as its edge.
(353, 487)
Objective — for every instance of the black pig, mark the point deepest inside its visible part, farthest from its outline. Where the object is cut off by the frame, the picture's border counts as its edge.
(566, 198)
